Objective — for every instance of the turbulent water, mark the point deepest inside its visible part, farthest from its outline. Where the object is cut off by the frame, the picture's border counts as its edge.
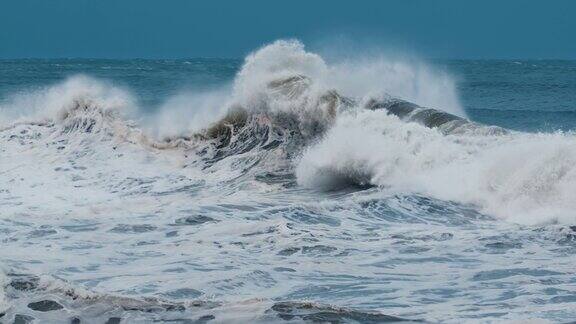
(287, 188)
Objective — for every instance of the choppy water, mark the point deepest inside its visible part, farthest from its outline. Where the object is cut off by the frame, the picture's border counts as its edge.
(117, 205)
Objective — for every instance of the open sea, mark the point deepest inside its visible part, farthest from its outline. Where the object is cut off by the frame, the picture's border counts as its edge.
(285, 187)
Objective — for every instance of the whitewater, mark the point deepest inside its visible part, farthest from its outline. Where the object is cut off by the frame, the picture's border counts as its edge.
(298, 190)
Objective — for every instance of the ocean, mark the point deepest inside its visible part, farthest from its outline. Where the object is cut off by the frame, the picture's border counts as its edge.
(287, 187)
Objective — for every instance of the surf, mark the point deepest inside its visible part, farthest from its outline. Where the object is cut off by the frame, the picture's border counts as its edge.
(285, 110)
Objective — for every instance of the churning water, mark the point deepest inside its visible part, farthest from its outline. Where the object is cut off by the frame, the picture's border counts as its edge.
(268, 190)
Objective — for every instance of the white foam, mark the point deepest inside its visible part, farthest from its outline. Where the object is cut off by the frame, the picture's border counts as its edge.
(527, 178)
(360, 77)
(4, 305)
(520, 177)
(107, 215)
(54, 102)
(188, 112)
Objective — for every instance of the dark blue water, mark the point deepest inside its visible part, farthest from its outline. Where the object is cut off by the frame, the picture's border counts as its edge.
(524, 95)
(151, 80)
(535, 95)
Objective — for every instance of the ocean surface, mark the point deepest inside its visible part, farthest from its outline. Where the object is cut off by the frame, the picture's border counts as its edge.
(263, 190)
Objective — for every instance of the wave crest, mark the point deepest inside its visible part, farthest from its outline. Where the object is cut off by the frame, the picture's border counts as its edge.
(56, 102)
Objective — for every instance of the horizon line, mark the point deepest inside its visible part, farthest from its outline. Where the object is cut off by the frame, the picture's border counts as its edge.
(242, 58)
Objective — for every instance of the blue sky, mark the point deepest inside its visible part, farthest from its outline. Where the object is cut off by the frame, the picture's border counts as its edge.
(232, 28)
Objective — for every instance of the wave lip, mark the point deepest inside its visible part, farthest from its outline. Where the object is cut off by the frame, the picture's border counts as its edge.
(432, 118)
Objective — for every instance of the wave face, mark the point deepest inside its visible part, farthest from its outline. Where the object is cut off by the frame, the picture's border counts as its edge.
(284, 187)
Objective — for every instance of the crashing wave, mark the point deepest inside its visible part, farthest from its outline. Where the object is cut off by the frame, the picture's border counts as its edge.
(244, 128)
(293, 115)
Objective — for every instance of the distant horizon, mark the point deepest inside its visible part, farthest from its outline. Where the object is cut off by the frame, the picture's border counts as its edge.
(242, 58)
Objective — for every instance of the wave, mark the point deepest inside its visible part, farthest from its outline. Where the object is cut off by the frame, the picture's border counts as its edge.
(526, 178)
(289, 112)
(53, 103)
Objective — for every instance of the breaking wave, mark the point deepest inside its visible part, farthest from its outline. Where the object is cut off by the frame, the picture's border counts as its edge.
(329, 126)
(525, 178)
